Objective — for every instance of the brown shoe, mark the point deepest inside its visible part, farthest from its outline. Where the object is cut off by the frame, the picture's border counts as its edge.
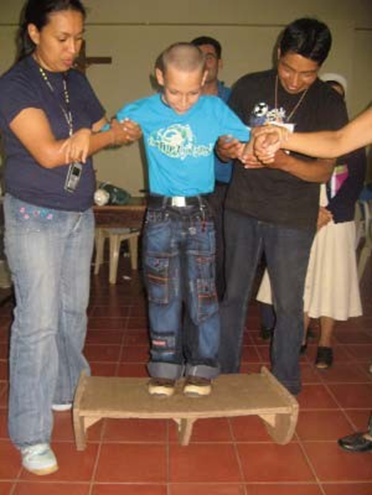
(162, 387)
(197, 386)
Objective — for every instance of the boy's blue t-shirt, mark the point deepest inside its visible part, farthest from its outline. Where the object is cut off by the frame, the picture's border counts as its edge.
(179, 147)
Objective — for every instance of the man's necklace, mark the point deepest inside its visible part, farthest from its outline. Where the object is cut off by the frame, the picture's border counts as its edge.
(295, 108)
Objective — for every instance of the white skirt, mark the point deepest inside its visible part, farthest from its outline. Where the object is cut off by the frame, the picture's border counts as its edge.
(332, 286)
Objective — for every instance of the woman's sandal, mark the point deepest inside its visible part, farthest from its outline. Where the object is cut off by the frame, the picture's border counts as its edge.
(324, 358)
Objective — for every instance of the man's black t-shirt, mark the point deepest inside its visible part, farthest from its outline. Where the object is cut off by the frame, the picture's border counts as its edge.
(273, 195)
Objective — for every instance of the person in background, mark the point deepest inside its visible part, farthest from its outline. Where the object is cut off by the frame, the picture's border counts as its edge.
(213, 86)
(275, 210)
(358, 442)
(332, 286)
(181, 127)
(48, 110)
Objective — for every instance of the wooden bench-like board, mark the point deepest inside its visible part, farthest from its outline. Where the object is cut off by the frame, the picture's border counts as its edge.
(233, 395)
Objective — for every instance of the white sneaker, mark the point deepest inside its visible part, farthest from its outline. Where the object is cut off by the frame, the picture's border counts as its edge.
(62, 407)
(39, 459)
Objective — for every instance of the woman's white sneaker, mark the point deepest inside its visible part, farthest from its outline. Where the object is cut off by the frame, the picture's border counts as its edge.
(62, 407)
(39, 459)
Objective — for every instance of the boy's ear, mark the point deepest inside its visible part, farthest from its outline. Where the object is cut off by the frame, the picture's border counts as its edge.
(159, 77)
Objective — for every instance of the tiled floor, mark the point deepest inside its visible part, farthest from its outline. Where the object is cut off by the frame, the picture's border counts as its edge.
(225, 457)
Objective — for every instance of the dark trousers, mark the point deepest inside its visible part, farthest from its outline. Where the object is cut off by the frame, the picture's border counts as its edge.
(217, 203)
(287, 253)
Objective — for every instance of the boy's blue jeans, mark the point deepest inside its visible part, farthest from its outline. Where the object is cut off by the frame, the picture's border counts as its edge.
(179, 268)
(49, 254)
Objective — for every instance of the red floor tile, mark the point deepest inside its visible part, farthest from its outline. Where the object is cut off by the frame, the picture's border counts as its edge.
(284, 489)
(343, 373)
(47, 488)
(353, 395)
(206, 430)
(203, 463)
(104, 337)
(322, 425)
(358, 418)
(333, 464)
(314, 396)
(132, 463)
(5, 488)
(206, 489)
(128, 489)
(135, 430)
(274, 463)
(101, 353)
(138, 354)
(249, 429)
(103, 323)
(348, 489)
(10, 464)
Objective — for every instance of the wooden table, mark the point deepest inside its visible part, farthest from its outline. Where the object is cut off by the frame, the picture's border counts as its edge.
(130, 215)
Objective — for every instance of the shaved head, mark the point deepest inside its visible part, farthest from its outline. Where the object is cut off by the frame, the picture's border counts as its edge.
(183, 57)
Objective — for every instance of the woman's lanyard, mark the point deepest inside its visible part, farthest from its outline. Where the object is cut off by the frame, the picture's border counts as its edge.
(75, 169)
(66, 111)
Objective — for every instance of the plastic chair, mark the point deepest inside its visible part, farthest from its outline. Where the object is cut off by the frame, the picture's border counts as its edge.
(116, 237)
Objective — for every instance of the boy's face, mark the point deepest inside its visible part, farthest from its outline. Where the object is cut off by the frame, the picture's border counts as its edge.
(181, 90)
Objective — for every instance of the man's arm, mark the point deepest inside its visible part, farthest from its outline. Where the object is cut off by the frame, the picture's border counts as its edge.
(311, 171)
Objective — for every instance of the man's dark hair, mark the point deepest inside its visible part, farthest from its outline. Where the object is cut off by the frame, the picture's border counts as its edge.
(207, 40)
(307, 37)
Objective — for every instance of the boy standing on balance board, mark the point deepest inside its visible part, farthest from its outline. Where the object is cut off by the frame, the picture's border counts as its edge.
(180, 128)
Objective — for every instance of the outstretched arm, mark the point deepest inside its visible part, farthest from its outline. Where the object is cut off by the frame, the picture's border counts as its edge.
(326, 144)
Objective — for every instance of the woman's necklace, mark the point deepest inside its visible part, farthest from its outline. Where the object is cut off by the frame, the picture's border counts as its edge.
(295, 108)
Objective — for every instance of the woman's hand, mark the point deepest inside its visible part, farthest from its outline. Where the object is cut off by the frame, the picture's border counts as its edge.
(76, 147)
(125, 132)
(324, 217)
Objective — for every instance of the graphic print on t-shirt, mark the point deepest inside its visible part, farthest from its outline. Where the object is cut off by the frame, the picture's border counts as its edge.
(263, 115)
(178, 141)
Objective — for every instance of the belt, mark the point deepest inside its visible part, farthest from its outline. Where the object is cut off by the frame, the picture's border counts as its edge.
(176, 201)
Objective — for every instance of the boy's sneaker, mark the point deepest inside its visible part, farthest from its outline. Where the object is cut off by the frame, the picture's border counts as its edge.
(197, 386)
(39, 459)
(163, 387)
(62, 407)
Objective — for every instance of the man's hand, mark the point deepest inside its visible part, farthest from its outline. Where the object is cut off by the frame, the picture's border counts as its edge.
(267, 141)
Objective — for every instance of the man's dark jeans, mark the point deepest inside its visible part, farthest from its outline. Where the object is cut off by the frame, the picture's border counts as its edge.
(287, 253)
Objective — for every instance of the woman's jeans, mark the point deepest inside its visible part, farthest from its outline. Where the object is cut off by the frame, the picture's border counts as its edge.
(179, 266)
(287, 253)
(49, 254)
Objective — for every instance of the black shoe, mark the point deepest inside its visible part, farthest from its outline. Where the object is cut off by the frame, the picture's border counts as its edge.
(356, 443)
(266, 333)
(324, 358)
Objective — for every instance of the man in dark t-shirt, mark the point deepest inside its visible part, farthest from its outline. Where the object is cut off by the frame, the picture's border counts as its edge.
(274, 210)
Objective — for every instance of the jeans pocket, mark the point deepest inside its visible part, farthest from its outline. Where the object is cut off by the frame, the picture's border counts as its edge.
(157, 279)
(207, 304)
